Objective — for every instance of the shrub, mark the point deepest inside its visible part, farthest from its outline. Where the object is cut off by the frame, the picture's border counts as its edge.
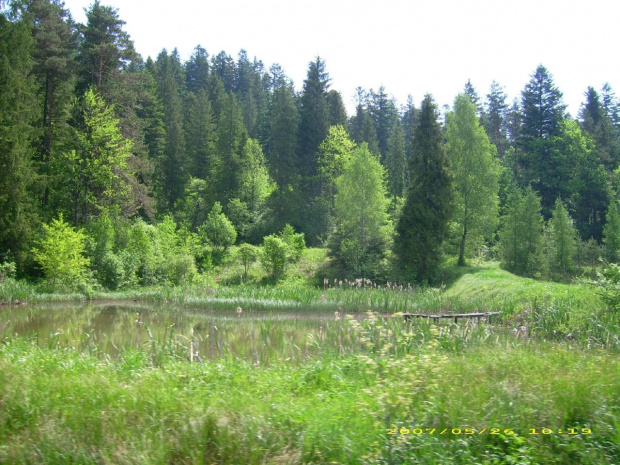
(275, 255)
(248, 254)
(60, 252)
(295, 242)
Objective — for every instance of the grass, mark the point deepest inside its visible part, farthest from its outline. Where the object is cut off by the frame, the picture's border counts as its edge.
(60, 406)
(444, 389)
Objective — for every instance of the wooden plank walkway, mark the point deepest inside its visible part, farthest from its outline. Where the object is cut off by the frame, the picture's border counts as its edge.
(456, 316)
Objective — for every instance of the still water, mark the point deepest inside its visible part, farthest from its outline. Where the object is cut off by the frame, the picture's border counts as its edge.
(257, 336)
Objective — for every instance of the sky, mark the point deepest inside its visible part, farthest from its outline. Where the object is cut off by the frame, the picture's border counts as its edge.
(410, 47)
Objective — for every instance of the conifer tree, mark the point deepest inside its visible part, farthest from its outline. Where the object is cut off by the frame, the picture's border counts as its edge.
(563, 240)
(396, 163)
(611, 233)
(18, 108)
(423, 224)
(495, 118)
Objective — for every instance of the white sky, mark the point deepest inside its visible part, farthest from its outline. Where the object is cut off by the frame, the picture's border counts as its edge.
(410, 47)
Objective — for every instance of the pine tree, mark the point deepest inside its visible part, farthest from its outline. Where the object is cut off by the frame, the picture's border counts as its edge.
(423, 224)
(611, 233)
(597, 122)
(231, 139)
(197, 70)
(337, 111)
(105, 47)
(200, 134)
(172, 168)
(18, 104)
(55, 47)
(383, 111)
(563, 235)
(495, 118)
(314, 122)
(396, 163)
(475, 167)
(282, 153)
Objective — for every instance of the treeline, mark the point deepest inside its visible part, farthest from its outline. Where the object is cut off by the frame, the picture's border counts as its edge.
(92, 134)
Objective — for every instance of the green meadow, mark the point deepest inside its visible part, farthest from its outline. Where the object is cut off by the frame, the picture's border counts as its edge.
(312, 374)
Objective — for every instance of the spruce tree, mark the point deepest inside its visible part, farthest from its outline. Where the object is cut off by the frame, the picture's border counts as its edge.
(611, 233)
(423, 224)
(18, 104)
(495, 118)
(563, 240)
(396, 163)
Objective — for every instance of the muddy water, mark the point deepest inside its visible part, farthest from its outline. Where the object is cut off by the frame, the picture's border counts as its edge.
(195, 333)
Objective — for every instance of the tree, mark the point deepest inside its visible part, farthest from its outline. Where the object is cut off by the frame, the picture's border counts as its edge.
(200, 134)
(396, 163)
(334, 154)
(543, 114)
(248, 254)
(105, 47)
(218, 231)
(55, 47)
(495, 118)
(521, 232)
(18, 106)
(361, 238)
(197, 70)
(172, 173)
(93, 177)
(475, 167)
(274, 255)
(231, 140)
(597, 122)
(563, 244)
(611, 233)
(336, 109)
(60, 252)
(382, 110)
(282, 151)
(423, 224)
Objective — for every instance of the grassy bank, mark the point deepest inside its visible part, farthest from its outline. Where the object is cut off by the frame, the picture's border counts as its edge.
(59, 406)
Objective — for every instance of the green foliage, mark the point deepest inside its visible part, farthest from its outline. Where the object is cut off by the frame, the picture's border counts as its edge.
(607, 283)
(521, 232)
(60, 252)
(18, 112)
(91, 175)
(217, 230)
(295, 242)
(611, 233)
(423, 223)
(275, 255)
(7, 270)
(248, 254)
(362, 227)
(563, 240)
(476, 170)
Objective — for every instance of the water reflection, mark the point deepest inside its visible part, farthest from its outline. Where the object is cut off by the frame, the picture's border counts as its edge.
(258, 336)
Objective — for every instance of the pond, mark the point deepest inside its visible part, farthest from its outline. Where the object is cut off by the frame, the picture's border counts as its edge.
(111, 328)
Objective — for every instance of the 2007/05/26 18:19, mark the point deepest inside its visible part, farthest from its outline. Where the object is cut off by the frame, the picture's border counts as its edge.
(470, 431)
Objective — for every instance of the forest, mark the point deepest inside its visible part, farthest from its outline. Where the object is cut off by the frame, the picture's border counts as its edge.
(155, 168)
(204, 262)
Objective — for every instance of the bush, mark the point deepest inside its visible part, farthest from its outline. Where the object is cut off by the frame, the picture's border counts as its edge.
(7, 270)
(295, 242)
(248, 254)
(60, 252)
(275, 255)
